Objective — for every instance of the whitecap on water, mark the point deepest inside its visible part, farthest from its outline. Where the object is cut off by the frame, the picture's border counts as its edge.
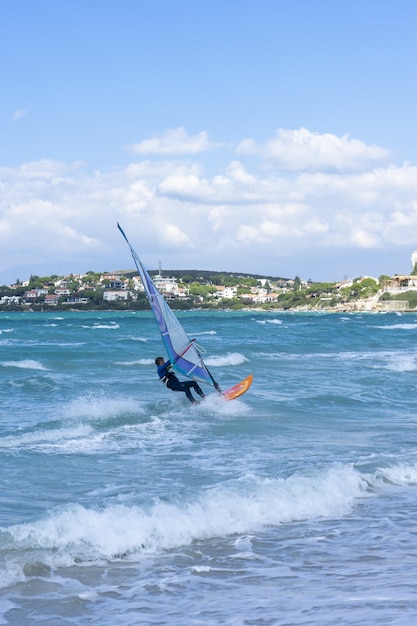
(231, 358)
(77, 533)
(405, 326)
(137, 362)
(46, 438)
(100, 407)
(400, 362)
(101, 326)
(399, 474)
(25, 364)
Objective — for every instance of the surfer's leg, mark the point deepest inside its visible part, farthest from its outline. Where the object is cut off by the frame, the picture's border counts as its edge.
(199, 390)
(186, 387)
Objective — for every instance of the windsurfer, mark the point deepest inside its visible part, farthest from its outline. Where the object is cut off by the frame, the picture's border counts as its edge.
(168, 377)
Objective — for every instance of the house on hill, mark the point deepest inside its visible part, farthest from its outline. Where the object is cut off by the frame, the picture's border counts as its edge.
(51, 299)
(399, 284)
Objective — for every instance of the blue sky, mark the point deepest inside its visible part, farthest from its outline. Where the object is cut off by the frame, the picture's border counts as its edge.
(264, 136)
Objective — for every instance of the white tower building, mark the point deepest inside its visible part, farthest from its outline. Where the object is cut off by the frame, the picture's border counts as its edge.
(413, 259)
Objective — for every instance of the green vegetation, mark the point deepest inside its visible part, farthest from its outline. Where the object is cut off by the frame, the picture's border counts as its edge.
(361, 288)
(409, 296)
(196, 289)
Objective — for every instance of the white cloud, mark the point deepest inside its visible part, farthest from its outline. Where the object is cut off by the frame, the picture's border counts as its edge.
(177, 212)
(19, 114)
(175, 142)
(173, 235)
(185, 186)
(301, 149)
(364, 239)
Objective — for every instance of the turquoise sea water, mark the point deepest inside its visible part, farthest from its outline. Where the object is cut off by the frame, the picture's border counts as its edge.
(122, 504)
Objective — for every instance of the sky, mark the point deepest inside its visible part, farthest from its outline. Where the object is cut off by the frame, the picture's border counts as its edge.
(255, 136)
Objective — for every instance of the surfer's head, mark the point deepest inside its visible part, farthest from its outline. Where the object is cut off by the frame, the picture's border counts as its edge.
(159, 360)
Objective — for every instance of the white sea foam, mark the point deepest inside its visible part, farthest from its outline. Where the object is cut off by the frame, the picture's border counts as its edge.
(99, 407)
(25, 364)
(101, 326)
(273, 321)
(217, 406)
(200, 569)
(279, 322)
(6, 330)
(402, 363)
(399, 474)
(231, 358)
(76, 533)
(45, 438)
(404, 326)
(77, 433)
(137, 362)
(105, 326)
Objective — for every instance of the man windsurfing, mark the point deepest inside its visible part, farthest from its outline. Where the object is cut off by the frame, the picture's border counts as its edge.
(168, 377)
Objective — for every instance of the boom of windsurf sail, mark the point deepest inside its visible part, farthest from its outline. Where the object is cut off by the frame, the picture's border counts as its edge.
(182, 351)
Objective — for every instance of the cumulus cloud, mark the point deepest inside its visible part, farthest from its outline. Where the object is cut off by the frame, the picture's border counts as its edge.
(175, 142)
(302, 149)
(238, 218)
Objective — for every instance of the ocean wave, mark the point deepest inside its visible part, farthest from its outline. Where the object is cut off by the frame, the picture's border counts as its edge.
(88, 424)
(405, 326)
(101, 326)
(99, 408)
(273, 321)
(25, 364)
(6, 330)
(402, 363)
(231, 358)
(137, 362)
(75, 533)
(399, 474)
(41, 438)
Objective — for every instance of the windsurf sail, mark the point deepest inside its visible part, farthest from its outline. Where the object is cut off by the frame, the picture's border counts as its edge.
(181, 350)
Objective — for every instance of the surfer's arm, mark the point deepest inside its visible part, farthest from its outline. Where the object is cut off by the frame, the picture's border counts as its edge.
(164, 369)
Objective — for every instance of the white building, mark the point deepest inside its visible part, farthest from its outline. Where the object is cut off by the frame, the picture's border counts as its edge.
(115, 295)
(166, 286)
(225, 292)
(10, 300)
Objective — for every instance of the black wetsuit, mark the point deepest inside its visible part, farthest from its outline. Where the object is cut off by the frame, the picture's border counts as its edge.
(172, 382)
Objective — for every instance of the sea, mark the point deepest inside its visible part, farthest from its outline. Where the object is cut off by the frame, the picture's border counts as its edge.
(122, 504)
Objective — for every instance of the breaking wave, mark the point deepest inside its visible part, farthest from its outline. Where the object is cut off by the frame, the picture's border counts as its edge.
(28, 364)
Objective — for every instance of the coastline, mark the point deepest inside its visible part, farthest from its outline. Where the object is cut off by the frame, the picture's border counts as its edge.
(330, 310)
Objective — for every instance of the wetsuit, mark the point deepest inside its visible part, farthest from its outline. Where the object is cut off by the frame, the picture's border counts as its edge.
(168, 377)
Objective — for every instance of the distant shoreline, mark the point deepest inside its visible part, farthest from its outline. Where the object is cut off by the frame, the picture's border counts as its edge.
(208, 310)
